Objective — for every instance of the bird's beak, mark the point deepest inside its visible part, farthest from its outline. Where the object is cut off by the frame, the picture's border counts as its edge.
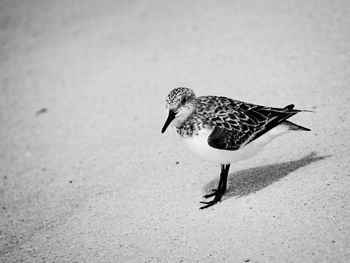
(170, 118)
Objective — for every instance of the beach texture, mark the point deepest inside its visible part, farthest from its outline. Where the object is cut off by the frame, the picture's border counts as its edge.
(86, 175)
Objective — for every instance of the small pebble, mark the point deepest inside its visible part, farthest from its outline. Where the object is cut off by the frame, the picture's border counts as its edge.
(41, 111)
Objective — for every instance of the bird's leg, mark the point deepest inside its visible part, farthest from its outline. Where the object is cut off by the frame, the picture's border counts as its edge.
(218, 193)
(215, 191)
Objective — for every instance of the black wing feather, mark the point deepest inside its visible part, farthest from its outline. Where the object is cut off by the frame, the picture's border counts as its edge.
(238, 123)
(224, 139)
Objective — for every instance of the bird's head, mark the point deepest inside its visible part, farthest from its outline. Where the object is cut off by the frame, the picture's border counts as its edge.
(181, 103)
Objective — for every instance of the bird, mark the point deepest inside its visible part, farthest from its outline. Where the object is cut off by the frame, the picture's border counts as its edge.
(224, 130)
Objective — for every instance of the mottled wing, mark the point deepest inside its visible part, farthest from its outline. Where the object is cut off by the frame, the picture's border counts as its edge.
(237, 123)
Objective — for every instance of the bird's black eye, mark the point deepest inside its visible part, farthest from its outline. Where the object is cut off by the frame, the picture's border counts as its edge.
(183, 101)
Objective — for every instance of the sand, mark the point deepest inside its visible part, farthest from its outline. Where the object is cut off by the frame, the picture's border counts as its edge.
(86, 175)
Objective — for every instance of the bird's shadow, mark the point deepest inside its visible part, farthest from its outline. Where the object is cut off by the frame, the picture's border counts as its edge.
(245, 182)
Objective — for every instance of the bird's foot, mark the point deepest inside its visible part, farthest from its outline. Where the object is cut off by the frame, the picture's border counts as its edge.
(214, 192)
(217, 193)
(208, 204)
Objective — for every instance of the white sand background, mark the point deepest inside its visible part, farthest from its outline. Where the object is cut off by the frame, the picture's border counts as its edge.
(93, 180)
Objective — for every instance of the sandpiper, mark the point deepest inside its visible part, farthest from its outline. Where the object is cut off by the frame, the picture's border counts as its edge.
(224, 130)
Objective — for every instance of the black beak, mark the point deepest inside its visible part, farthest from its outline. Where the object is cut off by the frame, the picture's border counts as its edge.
(170, 118)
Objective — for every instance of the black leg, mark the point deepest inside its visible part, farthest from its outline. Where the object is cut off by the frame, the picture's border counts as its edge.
(222, 178)
(218, 193)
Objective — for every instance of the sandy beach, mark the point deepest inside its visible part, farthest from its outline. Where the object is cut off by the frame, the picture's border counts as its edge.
(86, 175)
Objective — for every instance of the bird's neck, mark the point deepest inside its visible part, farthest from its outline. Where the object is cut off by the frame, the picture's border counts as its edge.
(185, 115)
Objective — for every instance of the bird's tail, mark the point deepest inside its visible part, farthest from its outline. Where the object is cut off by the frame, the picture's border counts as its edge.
(292, 126)
(291, 108)
(295, 127)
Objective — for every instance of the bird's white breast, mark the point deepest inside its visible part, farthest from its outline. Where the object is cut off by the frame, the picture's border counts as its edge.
(199, 145)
